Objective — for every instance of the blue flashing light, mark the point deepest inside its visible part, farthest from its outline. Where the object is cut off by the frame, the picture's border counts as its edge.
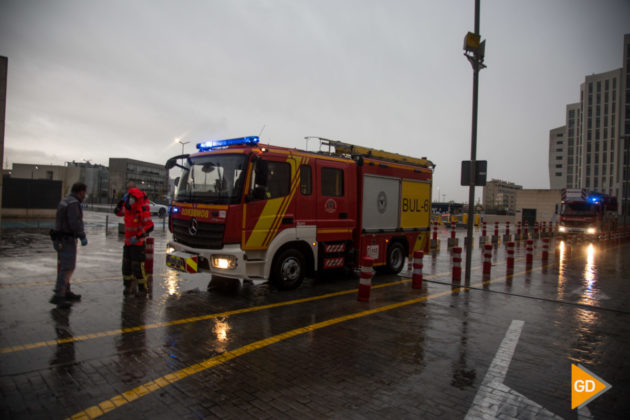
(217, 144)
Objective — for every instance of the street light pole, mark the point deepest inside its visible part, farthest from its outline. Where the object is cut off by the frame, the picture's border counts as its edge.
(475, 51)
(183, 143)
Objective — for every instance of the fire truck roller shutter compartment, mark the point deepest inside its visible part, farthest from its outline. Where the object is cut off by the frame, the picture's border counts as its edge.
(381, 198)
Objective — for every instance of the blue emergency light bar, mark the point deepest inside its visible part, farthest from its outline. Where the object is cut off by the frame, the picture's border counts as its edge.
(218, 144)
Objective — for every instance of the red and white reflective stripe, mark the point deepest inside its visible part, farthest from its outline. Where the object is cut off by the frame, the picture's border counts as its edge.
(487, 259)
(507, 228)
(435, 230)
(483, 231)
(529, 257)
(453, 225)
(365, 276)
(330, 248)
(457, 263)
(496, 228)
(334, 262)
(416, 278)
(510, 255)
(365, 279)
(545, 249)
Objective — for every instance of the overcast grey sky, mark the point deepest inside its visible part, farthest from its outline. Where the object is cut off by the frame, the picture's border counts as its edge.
(99, 79)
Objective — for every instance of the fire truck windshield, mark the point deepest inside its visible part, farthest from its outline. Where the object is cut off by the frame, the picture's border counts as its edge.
(215, 179)
(578, 208)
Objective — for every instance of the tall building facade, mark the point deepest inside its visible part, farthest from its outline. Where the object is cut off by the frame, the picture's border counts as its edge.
(573, 137)
(500, 195)
(596, 136)
(557, 157)
(624, 135)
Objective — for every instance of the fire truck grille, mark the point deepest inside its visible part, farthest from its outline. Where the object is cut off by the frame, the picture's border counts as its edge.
(574, 223)
(207, 235)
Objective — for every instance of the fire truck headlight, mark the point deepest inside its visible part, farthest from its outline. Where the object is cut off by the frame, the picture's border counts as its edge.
(591, 231)
(224, 262)
(562, 229)
(170, 250)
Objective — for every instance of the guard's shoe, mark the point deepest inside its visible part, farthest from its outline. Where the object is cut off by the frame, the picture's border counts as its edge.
(72, 296)
(142, 290)
(60, 301)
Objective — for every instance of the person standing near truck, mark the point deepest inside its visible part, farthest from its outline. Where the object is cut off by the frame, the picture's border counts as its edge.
(68, 228)
(134, 207)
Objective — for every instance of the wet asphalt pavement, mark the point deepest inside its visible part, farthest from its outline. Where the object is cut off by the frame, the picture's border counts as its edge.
(252, 351)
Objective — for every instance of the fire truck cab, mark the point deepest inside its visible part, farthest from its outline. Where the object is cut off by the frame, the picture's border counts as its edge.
(587, 213)
(249, 211)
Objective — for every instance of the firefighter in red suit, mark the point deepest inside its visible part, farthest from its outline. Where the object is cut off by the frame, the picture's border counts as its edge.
(138, 224)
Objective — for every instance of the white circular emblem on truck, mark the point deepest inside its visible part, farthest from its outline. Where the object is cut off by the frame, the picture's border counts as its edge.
(381, 202)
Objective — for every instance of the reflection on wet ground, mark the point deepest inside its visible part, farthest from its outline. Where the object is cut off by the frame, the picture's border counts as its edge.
(424, 359)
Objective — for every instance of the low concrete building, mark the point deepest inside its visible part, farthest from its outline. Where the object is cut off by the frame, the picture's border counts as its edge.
(67, 175)
(537, 205)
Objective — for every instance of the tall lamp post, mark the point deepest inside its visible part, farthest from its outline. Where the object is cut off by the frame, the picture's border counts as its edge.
(474, 52)
(183, 143)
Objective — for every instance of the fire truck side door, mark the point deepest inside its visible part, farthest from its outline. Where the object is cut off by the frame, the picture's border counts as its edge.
(336, 200)
(269, 204)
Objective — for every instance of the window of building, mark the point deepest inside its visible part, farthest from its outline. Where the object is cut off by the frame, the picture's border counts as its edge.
(599, 86)
(588, 183)
(332, 182)
(558, 157)
(559, 150)
(559, 166)
(306, 180)
(606, 84)
(558, 173)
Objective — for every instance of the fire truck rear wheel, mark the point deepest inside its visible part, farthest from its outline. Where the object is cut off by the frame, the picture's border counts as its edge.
(288, 269)
(395, 258)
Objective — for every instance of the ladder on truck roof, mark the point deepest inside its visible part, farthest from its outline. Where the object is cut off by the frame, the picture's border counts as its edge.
(347, 149)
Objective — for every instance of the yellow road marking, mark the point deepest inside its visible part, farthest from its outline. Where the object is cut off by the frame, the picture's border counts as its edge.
(148, 387)
(110, 333)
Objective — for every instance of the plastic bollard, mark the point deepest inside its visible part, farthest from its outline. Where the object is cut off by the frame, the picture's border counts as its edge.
(457, 264)
(529, 258)
(416, 277)
(487, 259)
(545, 249)
(148, 252)
(365, 279)
(510, 255)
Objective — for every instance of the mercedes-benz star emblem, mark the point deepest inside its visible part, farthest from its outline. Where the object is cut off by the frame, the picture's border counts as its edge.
(192, 229)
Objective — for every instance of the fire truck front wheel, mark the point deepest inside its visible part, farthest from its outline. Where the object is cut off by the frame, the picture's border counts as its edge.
(288, 269)
(395, 258)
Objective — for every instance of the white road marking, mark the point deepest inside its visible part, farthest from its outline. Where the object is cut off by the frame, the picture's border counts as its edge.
(496, 400)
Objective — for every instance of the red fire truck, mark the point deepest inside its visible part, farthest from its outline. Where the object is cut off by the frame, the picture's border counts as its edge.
(587, 213)
(250, 211)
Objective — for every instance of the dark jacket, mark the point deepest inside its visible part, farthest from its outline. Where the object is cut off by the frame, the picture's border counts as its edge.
(70, 217)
